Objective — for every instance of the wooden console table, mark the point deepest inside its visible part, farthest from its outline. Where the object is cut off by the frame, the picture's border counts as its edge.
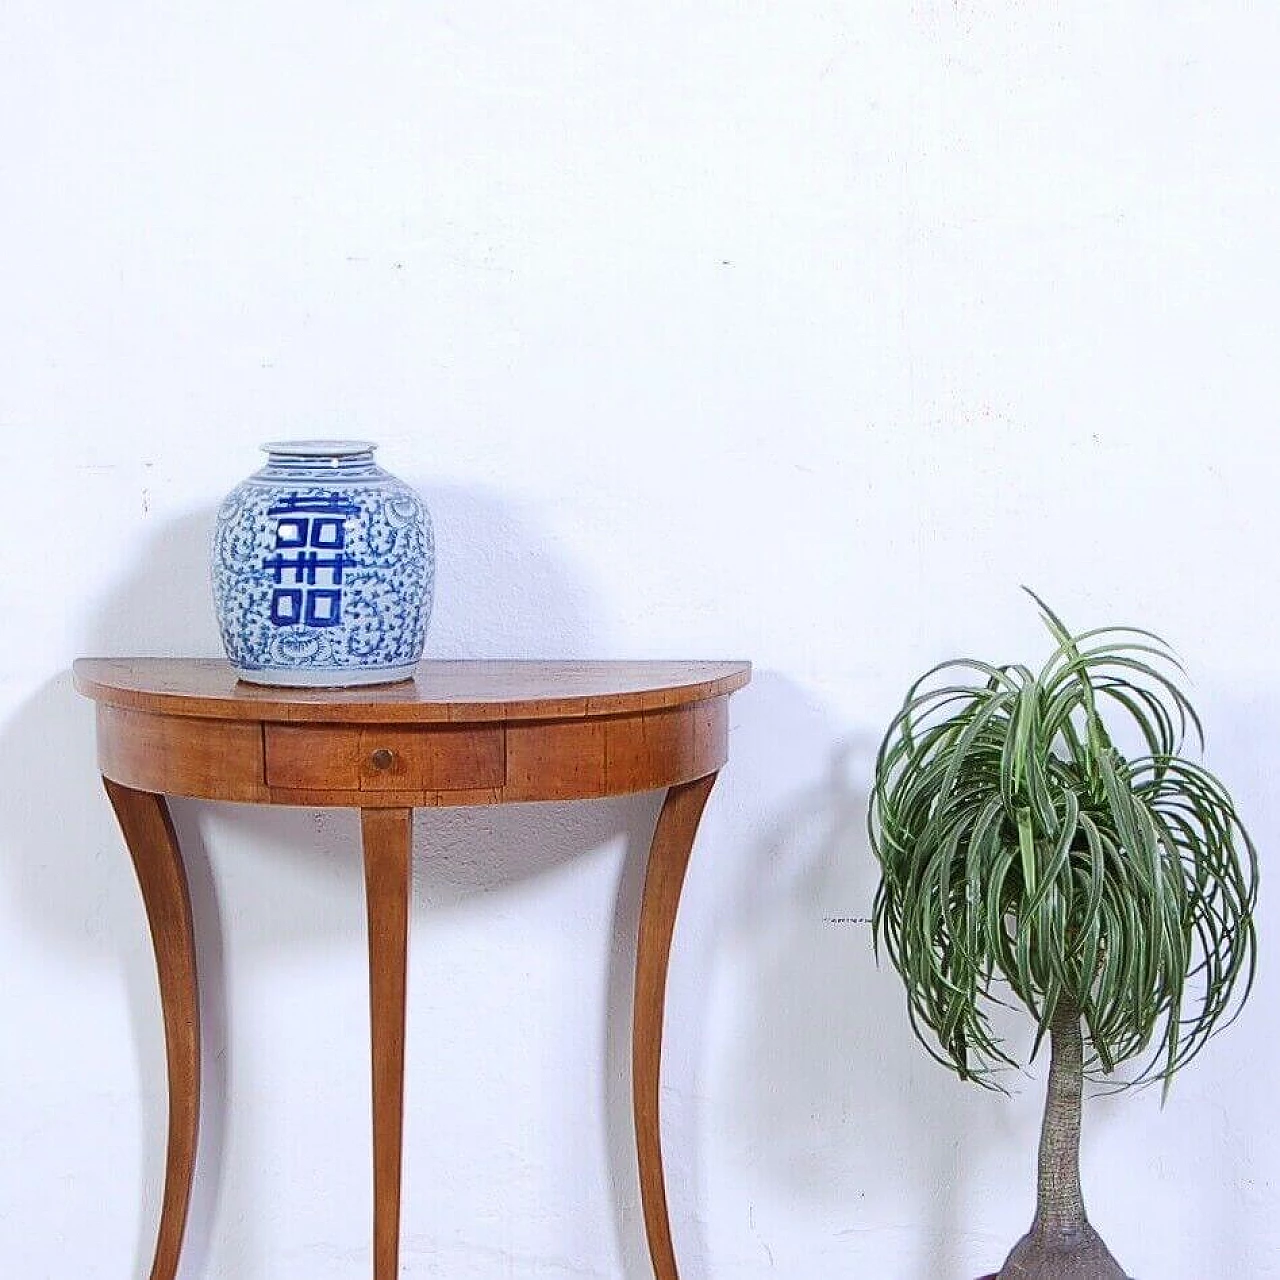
(459, 733)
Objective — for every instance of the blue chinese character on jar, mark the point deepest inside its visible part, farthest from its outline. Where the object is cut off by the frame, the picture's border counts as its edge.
(311, 535)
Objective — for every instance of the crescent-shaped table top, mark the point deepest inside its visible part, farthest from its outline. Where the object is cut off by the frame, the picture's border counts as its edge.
(460, 692)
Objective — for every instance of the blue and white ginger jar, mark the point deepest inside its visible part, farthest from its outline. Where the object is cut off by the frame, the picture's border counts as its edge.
(323, 569)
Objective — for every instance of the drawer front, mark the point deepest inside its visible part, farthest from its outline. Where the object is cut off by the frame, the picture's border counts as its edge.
(382, 759)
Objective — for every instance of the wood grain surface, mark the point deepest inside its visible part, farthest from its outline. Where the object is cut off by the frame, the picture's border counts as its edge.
(664, 879)
(388, 844)
(458, 691)
(398, 764)
(162, 877)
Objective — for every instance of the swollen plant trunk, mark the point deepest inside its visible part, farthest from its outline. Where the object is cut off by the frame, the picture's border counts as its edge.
(1061, 1244)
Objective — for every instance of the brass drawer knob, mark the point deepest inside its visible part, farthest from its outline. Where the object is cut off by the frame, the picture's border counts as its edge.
(382, 758)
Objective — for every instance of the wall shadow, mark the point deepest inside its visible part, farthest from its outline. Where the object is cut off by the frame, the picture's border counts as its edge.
(830, 1094)
(501, 592)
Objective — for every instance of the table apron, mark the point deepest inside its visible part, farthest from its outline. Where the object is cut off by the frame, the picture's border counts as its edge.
(427, 765)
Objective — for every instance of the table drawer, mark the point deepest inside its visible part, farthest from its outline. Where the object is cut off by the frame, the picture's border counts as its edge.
(374, 758)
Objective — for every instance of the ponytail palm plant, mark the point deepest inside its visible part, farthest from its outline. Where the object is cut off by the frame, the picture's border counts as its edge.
(1024, 856)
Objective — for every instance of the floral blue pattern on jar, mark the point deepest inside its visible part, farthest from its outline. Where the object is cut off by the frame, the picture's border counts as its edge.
(323, 569)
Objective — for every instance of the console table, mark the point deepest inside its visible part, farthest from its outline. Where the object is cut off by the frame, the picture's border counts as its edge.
(459, 733)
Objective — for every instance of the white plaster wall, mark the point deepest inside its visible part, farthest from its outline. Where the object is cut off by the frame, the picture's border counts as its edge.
(801, 332)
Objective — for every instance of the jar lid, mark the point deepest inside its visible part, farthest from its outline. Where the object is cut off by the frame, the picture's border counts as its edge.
(317, 448)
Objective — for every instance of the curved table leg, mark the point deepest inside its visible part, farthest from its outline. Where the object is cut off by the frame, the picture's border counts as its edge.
(388, 842)
(148, 831)
(664, 878)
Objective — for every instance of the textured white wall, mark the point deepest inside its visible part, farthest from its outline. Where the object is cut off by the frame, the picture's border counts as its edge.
(801, 332)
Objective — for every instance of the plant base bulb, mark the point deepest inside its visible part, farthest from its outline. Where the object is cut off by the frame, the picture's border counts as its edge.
(1073, 1255)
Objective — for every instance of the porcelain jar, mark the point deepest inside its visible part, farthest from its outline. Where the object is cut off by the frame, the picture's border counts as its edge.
(323, 569)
